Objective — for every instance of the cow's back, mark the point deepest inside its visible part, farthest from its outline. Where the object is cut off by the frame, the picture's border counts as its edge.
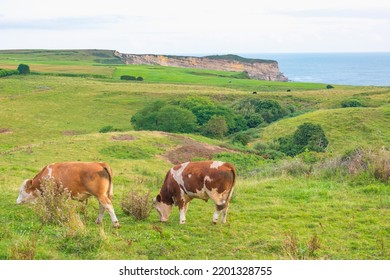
(77, 177)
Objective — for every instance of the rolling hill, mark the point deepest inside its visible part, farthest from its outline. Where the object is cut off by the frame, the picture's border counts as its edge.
(289, 208)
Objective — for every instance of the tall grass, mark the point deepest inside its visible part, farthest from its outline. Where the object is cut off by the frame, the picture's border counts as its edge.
(55, 206)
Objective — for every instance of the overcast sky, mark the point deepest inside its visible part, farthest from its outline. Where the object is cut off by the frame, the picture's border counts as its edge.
(197, 26)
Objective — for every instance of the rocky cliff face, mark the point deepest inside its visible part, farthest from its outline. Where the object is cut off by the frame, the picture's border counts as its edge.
(256, 68)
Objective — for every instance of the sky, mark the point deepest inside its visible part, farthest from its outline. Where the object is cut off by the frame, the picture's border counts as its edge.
(197, 27)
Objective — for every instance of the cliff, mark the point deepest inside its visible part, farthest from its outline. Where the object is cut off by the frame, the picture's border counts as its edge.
(256, 68)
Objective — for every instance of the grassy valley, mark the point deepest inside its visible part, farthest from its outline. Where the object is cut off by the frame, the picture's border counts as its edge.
(311, 206)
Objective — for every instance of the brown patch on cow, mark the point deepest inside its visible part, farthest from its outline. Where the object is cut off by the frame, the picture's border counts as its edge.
(190, 150)
(123, 138)
(72, 132)
(5, 131)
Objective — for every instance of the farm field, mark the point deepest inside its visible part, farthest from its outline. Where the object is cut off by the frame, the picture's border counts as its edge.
(300, 207)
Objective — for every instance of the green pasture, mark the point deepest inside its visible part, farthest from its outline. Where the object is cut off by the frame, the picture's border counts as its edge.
(49, 117)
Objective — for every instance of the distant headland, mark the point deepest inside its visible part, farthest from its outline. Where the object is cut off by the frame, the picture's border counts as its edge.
(258, 69)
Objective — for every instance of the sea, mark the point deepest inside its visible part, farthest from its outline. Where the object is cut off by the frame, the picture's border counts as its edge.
(360, 69)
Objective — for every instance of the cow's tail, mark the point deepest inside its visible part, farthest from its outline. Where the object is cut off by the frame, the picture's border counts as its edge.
(107, 169)
(234, 173)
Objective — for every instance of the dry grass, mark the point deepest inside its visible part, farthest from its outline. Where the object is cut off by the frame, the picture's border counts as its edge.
(23, 250)
(137, 205)
(54, 206)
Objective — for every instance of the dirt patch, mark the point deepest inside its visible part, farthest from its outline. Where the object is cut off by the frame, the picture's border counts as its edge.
(190, 150)
(123, 138)
(72, 132)
(5, 131)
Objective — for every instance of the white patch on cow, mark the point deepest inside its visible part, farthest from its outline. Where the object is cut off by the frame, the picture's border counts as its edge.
(23, 195)
(189, 175)
(178, 174)
(49, 171)
(206, 179)
(216, 164)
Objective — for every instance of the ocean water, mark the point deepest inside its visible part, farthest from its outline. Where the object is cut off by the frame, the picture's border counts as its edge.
(333, 68)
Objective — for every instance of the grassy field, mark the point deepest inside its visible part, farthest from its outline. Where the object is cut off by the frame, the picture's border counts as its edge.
(274, 213)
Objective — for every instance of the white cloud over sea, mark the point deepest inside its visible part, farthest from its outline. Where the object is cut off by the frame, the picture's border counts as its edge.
(179, 27)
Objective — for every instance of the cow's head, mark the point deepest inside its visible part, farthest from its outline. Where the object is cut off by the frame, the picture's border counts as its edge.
(27, 193)
(163, 209)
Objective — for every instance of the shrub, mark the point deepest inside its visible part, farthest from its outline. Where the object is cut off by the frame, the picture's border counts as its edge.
(146, 118)
(359, 164)
(108, 128)
(329, 86)
(256, 111)
(216, 127)
(175, 119)
(54, 205)
(5, 72)
(269, 150)
(351, 103)
(140, 79)
(137, 205)
(308, 136)
(242, 138)
(128, 78)
(23, 69)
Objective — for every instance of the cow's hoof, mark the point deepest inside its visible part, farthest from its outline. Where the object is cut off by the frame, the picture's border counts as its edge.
(117, 225)
(98, 222)
(183, 222)
(214, 223)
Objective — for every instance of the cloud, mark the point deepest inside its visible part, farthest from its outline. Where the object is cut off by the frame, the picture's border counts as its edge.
(370, 13)
(64, 23)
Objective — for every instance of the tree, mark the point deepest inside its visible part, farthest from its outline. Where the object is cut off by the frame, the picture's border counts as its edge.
(146, 118)
(23, 69)
(173, 118)
(308, 136)
(216, 127)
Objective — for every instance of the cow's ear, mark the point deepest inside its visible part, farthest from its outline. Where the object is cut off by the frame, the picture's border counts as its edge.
(29, 184)
(158, 198)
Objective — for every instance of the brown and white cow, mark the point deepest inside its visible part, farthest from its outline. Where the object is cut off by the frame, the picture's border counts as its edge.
(204, 180)
(81, 179)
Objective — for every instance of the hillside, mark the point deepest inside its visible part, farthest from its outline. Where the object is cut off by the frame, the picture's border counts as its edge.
(255, 68)
(316, 205)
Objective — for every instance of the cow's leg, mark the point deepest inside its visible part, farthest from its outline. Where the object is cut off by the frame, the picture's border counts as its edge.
(183, 212)
(107, 205)
(224, 214)
(101, 213)
(218, 210)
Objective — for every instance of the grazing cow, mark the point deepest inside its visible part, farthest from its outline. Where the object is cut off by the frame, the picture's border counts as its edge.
(81, 179)
(204, 180)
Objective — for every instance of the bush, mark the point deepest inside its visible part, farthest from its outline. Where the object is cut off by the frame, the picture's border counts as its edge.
(23, 69)
(216, 127)
(146, 118)
(329, 86)
(128, 78)
(54, 205)
(108, 128)
(308, 136)
(139, 206)
(360, 165)
(256, 111)
(269, 150)
(242, 138)
(5, 72)
(351, 103)
(175, 119)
